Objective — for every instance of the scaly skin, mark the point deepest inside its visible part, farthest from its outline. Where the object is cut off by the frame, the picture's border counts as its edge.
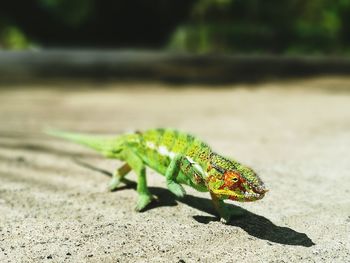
(183, 159)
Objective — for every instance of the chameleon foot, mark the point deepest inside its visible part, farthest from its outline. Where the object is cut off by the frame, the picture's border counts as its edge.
(143, 201)
(228, 215)
(114, 183)
(176, 189)
(225, 221)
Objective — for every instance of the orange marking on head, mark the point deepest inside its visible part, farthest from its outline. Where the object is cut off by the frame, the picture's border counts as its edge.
(232, 179)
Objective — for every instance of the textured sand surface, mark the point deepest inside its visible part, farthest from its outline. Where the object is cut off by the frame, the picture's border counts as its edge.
(54, 206)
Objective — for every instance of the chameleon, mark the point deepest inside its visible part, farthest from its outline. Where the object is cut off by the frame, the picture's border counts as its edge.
(182, 159)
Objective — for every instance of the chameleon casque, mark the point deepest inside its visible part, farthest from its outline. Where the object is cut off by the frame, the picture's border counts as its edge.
(182, 158)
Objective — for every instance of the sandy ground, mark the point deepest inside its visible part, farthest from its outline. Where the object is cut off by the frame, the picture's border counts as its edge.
(54, 205)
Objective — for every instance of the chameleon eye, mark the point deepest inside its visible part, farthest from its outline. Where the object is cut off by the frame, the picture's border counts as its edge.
(235, 179)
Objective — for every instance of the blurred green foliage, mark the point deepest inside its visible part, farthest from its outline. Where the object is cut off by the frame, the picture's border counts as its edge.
(11, 37)
(272, 26)
(71, 12)
(235, 26)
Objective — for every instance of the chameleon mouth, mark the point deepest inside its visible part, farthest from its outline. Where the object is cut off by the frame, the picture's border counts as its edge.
(247, 197)
(242, 197)
(250, 196)
(259, 189)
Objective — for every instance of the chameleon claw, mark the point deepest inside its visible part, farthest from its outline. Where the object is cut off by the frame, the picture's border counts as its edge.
(176, 189)
(224, 221)
(143, 201)
(228, 216)
(113, 184)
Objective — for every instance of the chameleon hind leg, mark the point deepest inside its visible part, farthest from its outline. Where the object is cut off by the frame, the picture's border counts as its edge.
(118, 176)
(136, 164)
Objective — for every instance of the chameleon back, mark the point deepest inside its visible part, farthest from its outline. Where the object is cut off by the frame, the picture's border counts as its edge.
(158, 146)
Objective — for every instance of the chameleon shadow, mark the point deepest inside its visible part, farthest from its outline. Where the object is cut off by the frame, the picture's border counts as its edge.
(255, 225)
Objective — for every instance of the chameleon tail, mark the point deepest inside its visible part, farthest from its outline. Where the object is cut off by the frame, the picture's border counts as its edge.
(106, 145)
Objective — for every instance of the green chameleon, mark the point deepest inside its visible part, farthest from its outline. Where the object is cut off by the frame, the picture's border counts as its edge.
(182, 159)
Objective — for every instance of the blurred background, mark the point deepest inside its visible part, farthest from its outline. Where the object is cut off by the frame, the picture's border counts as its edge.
(184, 40)
(200, 26)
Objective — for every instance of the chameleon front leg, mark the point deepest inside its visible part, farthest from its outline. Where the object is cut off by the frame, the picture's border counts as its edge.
(221, 208)
(138, 166)
(188, 169)
(118, 176)
(225, 212)
(171, 174)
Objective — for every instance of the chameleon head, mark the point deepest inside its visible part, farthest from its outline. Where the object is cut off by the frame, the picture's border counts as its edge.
(236, 182)
(243, 188)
